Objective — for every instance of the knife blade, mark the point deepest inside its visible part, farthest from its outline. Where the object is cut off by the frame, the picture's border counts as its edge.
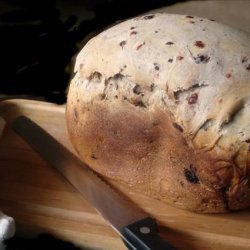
(137, 229)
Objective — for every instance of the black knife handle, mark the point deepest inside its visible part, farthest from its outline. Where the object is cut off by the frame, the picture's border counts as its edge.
(142, 235)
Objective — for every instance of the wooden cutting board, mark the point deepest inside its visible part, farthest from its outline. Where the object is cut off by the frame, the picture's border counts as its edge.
(40, 199)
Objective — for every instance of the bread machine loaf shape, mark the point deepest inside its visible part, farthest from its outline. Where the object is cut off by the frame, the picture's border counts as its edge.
(161, 103)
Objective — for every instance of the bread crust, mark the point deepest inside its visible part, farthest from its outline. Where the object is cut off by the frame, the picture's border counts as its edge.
(167, 113)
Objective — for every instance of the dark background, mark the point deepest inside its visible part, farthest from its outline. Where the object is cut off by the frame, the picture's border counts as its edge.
(39, 39)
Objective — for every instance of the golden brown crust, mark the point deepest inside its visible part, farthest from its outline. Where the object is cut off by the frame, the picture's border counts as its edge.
(130, 145)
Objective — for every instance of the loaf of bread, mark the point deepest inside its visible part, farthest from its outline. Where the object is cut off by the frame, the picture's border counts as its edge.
(161, 103)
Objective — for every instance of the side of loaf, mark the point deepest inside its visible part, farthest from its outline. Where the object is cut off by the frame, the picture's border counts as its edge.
(161, 103)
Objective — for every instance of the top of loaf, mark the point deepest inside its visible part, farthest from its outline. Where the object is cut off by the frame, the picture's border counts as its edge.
(200, 69)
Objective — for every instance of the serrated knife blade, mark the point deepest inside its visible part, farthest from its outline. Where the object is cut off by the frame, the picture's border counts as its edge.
(137, 229)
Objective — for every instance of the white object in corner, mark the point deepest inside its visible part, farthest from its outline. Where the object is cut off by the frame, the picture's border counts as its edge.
(7, 228)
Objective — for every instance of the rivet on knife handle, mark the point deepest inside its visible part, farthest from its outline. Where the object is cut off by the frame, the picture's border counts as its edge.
(135, 227)
(143, 236)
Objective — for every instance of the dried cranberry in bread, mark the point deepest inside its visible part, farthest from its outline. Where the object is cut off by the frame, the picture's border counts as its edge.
(161, 103)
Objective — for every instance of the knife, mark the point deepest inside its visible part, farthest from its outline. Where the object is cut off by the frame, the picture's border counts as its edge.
(137, 229)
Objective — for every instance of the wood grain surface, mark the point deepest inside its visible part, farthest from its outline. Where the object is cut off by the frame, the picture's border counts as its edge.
(40, 199)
